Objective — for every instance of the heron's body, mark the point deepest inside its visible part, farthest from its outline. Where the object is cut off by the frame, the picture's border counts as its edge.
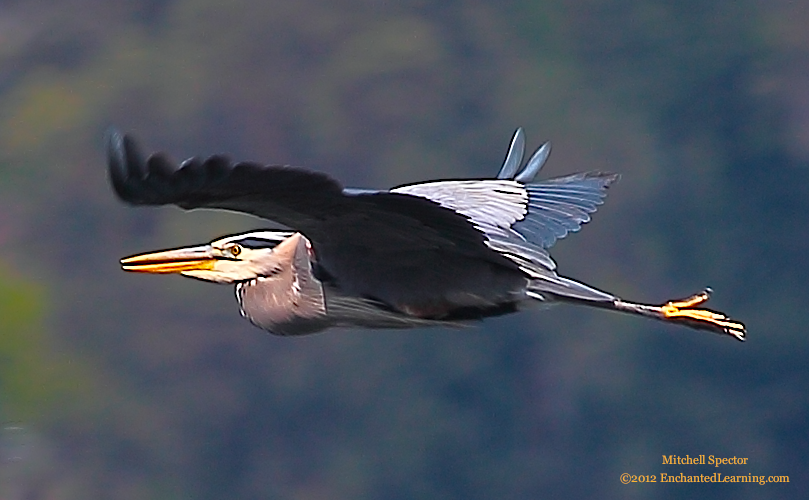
(287, 298)
(425, 254)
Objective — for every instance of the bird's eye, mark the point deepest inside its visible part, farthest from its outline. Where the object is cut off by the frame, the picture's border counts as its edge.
(235, 250)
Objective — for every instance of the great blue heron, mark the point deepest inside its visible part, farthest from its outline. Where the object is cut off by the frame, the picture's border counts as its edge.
(433, 253)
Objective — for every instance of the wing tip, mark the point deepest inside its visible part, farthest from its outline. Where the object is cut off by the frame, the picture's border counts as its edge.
(513, 169)
(125, 164)
(516, 150)
(116, 160)
(535, 164)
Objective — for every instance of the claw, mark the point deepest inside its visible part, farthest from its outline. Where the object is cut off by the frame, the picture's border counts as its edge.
(690, 301)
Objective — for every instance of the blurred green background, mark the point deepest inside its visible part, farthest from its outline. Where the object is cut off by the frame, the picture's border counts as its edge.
(125, 386)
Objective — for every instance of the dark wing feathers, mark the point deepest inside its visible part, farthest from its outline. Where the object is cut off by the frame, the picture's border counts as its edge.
(374, 243)
(311, 202)
(290, 196)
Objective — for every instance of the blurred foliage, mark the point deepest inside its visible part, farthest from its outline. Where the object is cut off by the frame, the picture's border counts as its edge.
(121, 386)
(26, 381)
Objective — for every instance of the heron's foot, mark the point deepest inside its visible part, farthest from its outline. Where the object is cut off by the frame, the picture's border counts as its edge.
(683, 310)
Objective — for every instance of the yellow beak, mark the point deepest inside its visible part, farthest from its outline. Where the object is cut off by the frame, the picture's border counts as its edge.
(171, 261)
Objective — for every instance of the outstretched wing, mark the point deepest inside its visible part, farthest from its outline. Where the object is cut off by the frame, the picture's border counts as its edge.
(405, 250)
(522, 219)
(539, 213)
(521, 222)
(557, 206)
(291, 196)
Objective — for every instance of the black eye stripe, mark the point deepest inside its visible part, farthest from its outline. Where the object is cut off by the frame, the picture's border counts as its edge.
(254, 240)
(256, 243)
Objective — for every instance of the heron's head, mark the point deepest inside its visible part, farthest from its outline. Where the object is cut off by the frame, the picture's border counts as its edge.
(227, 260)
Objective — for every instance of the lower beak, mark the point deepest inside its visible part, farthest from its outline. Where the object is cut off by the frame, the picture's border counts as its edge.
(171, 261)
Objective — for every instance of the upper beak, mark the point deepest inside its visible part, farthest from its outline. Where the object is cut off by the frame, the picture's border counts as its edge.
(171, 261)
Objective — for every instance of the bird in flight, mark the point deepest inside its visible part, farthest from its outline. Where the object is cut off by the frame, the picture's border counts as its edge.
(427, 254)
